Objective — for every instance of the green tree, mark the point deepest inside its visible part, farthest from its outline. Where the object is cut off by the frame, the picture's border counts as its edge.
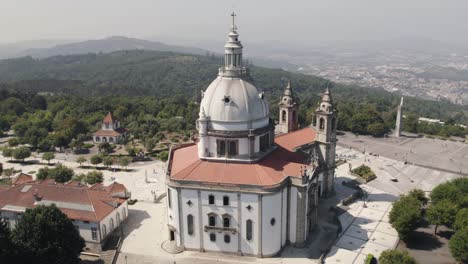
(108, 161)
(393, 256)
(131, 151)
(61, 173)
(7, 153)
(95, 160)
(419, 195)
(105, 147)
(13, 142)
(405, 215)
(39, 102)
(45, 235)
(441, 213)
(376, 129)
(455, 191)
(6, 249)
(43, 173)
(461, 219)
(94, 177)
(80, 160)
(149, 144)
(21, 153)
(48, 156)
(125, 161)
(458, 245)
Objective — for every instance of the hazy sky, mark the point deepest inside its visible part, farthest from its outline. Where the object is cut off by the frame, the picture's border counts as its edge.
(299, 21)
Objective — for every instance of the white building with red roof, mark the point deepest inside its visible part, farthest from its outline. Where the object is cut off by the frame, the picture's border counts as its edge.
(240, 189)
(110, 131)
(96, 211)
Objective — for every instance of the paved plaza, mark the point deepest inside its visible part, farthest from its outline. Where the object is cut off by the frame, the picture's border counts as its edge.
(365, 227)
(442, 154)
(393, 176)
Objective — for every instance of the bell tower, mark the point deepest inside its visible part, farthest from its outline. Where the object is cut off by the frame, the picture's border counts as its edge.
(288, 108)
(325, 126)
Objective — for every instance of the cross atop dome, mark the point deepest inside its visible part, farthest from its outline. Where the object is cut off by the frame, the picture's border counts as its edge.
(233, 25)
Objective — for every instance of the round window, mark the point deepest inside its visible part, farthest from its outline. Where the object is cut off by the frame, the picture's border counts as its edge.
(226, 99)
(273, 221)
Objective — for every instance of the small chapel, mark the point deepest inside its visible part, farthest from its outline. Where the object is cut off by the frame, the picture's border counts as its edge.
(249, 185)
(110, 131)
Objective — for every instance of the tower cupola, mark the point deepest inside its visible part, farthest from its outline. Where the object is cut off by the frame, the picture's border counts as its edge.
(288, 107)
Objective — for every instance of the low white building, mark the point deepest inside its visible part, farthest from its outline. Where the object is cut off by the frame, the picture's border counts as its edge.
(240, 189)
(96, 211)
(110, 131)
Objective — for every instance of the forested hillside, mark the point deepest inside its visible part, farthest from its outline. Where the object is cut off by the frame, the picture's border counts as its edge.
(148, 89)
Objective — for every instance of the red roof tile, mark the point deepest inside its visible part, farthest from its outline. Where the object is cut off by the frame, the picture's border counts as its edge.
(108, 119)
(111, 133)
(21, 178)
(271, 170)
(77, 203)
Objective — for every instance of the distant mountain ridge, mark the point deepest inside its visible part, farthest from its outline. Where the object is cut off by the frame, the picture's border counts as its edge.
(107, 45)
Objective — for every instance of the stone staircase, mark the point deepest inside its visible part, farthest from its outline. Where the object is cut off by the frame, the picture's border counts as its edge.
(171, 247)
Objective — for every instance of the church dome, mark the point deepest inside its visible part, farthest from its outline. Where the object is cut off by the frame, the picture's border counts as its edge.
(235, 100)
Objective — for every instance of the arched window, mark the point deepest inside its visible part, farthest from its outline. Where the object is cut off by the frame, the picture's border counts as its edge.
(190, 224)
(104, 230)
(213, 237)
(322, 123)
(283, 115)
(104, 139)
(212, 220)
(232, 148)
(211, 199)
(112, 224)
(111, 139)
(226, 221)
(226, 200)
(98, 139)
(118, 219)
(227, 239)
(249, 230)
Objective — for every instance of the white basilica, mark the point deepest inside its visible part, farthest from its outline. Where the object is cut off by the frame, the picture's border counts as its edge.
(240, 189)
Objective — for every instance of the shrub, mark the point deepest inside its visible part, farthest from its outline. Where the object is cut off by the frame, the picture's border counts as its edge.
(396, 257)
(364, 172)
(163, 155)
(458, 245)
(370, 259)
(461, 220)
(13, 142)
(95, 160)
(88, 145)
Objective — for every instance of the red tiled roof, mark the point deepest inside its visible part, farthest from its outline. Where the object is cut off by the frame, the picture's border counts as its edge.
(78, 203)
(4, 188)
(108, 119)
(21, 178)
(111, 133)
(281, 163)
